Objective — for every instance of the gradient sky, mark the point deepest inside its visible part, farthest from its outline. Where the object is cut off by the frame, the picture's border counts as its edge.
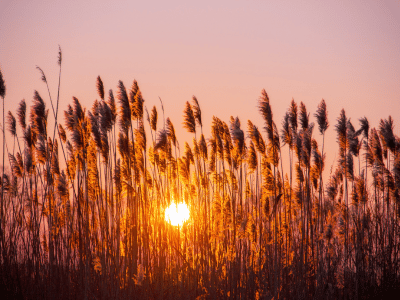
(223, 52)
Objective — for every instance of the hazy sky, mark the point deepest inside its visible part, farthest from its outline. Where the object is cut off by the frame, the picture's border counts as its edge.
(223, 52)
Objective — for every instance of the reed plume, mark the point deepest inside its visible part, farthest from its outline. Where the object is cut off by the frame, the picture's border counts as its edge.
(197, 111)
(153, 119)
(11, 124)
(100, 87)
(189, 122)
(21, 114)
(2, 85)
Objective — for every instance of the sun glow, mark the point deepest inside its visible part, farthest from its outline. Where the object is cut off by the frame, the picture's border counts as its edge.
(177, 214)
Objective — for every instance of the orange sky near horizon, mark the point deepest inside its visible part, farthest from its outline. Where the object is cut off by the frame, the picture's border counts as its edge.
(223, 52)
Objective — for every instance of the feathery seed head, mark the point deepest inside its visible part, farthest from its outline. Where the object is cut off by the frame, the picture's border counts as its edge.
(105, 117)
(189, 122)
(111, 103)
(11, 124)
(59, 61)
(203, 147)
(42, 73)
(100, 87)
(237, 134)
(286, 132)
(125, 111)
(386, 131)
(252, 157)
(170, 132)
(304, 117)
(153, 119)
(2, 86)
(293, 115)
(133, 91)
(162, 140)
(364, 127)
(140, 137)
(21, 114)
(38, 115)
(322, 117)
(138, 106)
(63, 135)
(94, 126)
(197, 111)
(265, 110)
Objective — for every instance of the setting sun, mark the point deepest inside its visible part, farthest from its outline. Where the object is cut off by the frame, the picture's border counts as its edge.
(177, 214)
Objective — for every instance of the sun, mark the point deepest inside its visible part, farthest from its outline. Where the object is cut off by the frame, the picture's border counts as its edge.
(177, 214)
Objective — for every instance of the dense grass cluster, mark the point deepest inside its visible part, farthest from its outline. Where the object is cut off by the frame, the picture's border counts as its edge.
(96, 228)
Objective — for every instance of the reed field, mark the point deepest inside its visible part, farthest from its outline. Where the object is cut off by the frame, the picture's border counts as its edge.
(83, 203)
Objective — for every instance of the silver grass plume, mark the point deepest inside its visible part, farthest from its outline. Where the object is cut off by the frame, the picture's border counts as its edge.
(111, 103)
(138, 105)
(41, 150)
(162, 140)
(319, 161)
(293, 115)
(29, 137)
(197, 111)
(38, 115)
(11, 124)
(203, 147)
(354, 145)
(286, 132)
(189, 122)
(2, 86)
(350, 166)
(304, 117)
(153, 119)
(364, 129)
(386, 132)
(95, 130)
(95, 108)
(266, 112)
(123, 145)
(63, 135)
(100, 87)
(171, 132)
(125, 111)
(59, 61)
(376, 154)
(28, 163)
(78, 111)
(62, 186)
(79, 130)
(69, 118)
(21, 114)
(341, 129)
(252, 157)
(188, 154)
(43, 78)
(237, 135)
(140, 137)
(133, 92)
(255, 135)
(322, 117)
(15, 166)
(105, 148)
(105, 117)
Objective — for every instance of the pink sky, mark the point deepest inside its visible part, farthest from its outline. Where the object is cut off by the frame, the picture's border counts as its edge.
(223, 52)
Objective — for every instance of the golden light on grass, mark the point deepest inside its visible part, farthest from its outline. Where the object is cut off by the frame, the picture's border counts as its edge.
(177, 214)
